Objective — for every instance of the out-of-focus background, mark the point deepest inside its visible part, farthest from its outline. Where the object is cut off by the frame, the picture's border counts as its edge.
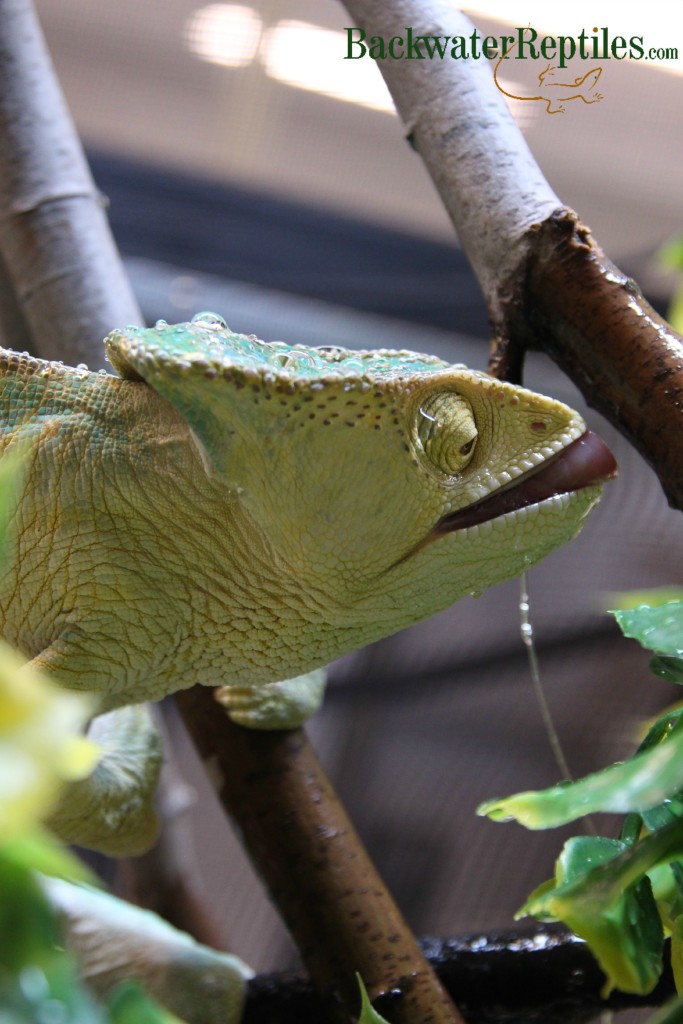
(252, 171)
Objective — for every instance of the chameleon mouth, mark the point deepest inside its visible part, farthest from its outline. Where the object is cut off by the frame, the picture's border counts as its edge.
(585, 462)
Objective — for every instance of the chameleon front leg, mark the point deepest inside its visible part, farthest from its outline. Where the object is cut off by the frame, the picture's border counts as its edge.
(115, 941)
(112, 809)
(280, 705)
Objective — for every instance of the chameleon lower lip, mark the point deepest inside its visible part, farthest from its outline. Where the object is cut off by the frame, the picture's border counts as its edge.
(583, 463)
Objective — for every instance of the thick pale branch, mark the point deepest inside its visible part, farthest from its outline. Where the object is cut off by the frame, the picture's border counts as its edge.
(54, 235)
(459, 123)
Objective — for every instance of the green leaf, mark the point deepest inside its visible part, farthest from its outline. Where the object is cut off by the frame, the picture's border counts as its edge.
(677, 952)
(368, 1014)
(668, 667)
(38, 980)
(670, 254)
(600, 891)
(130, 1005)
(630, 599)
(41, 851)
(657, 628)
(644, 781)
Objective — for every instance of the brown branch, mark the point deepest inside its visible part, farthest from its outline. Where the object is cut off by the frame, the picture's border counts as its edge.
(541, 974)
(570, 301)
(324, 884)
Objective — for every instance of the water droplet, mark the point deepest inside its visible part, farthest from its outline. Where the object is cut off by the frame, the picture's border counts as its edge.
(82, 366)
(209, 320)
(161, 323)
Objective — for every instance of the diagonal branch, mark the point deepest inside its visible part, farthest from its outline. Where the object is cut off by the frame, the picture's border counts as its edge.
(546, 282)
(54, 235)
(334, 903)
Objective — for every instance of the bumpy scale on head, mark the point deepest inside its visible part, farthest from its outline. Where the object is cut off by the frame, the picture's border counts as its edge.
(347, 462)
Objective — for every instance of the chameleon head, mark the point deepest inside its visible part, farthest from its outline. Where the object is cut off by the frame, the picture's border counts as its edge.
(386, 484)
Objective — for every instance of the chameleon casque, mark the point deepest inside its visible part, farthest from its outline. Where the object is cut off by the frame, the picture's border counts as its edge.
(238, 513)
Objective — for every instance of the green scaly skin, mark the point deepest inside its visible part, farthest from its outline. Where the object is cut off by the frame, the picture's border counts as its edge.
(235, 513)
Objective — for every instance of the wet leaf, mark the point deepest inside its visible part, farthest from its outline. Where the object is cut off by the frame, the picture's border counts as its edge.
(668, 667)
(600, 891)
(657, 628)
(630, 599)
(644, 781)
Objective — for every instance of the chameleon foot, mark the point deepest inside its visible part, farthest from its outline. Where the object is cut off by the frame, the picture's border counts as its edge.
(283, 705)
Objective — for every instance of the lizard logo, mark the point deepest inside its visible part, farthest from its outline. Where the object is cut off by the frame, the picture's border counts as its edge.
(556, 86)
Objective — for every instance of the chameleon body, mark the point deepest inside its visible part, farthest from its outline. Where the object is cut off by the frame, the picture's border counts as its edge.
(236, 513)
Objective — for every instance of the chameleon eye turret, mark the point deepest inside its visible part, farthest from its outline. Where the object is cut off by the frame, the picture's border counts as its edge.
(447, 431)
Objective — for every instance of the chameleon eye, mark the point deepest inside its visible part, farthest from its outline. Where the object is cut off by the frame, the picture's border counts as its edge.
(447, 431)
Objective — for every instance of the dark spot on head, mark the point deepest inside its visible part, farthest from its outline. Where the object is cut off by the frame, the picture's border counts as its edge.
(350, 423)
(538, 426)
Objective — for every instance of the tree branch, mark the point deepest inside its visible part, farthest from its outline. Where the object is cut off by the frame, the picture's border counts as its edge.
(326, 888)
(54, 236)
(540, 975)
(459, 123)
(546, 283)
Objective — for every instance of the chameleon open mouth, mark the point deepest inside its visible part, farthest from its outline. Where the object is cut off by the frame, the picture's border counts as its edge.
(583, 463)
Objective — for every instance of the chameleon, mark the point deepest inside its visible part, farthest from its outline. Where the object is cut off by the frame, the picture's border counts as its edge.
(239, 513)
